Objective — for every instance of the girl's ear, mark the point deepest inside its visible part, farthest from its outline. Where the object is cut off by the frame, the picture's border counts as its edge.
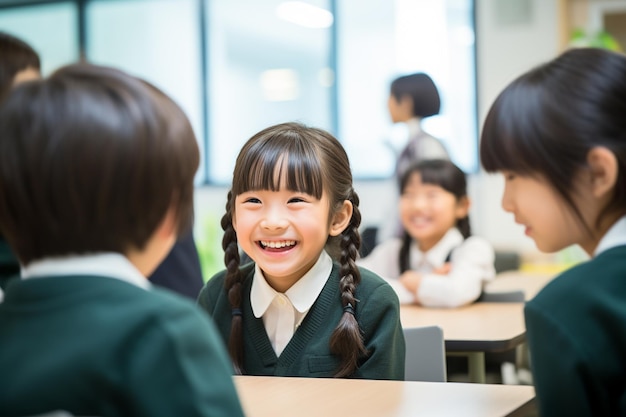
(341, 218)
(462, 207)
(603, 167)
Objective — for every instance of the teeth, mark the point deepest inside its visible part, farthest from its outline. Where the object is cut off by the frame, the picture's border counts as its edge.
(274, 245)
(419, 220)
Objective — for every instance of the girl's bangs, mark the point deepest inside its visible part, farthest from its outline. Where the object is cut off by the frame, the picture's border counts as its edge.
(264, 165)
(439, 177)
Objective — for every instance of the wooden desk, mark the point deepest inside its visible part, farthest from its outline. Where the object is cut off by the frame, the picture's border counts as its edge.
(531, 284)
(473, 329)
(323, 397)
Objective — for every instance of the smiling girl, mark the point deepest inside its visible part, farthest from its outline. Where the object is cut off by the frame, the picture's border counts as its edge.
(295, 311)
(436, 263)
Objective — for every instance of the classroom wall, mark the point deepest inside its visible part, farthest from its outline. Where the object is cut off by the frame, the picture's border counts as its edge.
(512, 36)
(510, 41)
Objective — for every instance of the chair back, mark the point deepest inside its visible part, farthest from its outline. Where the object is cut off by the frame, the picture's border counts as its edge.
(425, 354)
(516, 296)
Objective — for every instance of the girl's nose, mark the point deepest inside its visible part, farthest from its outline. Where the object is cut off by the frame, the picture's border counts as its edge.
(418, 202)
(274, 220)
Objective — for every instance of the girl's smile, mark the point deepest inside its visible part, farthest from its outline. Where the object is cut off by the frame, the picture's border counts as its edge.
(283, 231)
(277, 246)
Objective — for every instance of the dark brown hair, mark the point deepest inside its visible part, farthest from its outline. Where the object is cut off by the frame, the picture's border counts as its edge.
(422, 91)
(446, 175)
(15, 56)
(91, 159)
(547, 120)
(315, 163)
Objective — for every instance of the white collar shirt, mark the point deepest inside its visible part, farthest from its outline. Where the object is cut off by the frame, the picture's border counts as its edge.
(282, 313)
(436, 256)
(414, 126)
(615, 236)
(108, 264)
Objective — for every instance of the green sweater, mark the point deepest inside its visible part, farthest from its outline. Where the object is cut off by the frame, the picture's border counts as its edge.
(576, 330)
(94, 345)
(308, 353)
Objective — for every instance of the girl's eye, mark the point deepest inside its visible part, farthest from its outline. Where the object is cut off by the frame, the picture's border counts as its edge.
(252, 200)
(297, 200)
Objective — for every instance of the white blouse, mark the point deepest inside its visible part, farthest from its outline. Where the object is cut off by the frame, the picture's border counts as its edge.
(282, 313)
(472, 264)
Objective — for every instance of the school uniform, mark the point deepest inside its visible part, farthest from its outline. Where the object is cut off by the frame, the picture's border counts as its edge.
(90, 335)
(180, 271)
(296, 339)
(576, 333)
(472, 262)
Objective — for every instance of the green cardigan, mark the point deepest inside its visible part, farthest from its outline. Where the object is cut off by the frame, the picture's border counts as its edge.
(94, 345)
(308, 353)
(576, 330)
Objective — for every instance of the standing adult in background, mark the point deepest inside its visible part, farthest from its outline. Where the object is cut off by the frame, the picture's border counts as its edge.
(412, 98)
(18, 62)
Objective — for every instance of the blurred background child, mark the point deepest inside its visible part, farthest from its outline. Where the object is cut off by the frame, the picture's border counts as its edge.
(436, 262)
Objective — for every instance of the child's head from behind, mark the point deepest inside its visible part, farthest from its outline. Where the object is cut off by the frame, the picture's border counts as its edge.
(292, 196)
(413, 95)
(92, 160)
(433, 200)
(558, 133)
(18, 62)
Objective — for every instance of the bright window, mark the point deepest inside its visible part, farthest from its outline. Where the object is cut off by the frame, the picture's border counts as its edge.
(158, 40)
(269, 63)
(51, 29)
(237, 66)
(387, 39)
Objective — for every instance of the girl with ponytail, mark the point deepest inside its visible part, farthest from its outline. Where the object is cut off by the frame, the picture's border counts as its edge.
(436, 263)
(302, 307)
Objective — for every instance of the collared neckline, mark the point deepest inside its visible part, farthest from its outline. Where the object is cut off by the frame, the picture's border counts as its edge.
(107, 264)
(438, 253)
(615, 236)
(414, 126)
(302, 294)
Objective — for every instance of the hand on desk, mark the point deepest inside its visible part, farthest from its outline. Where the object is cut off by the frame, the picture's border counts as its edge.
(411, 279)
